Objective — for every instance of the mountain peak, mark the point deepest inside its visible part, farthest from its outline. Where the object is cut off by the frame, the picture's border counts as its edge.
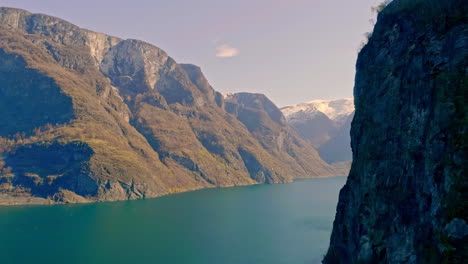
(333, 109)
(325, 124)
(58, 30)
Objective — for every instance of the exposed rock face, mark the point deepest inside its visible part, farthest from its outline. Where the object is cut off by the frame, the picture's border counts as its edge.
(90, 117)
(405, 200)
(325, 124)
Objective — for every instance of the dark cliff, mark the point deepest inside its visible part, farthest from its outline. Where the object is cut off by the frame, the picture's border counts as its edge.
(91, 117)
(405, 200)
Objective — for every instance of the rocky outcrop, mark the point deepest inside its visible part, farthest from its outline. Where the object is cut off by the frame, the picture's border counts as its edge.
(405, 197)
(89, 117)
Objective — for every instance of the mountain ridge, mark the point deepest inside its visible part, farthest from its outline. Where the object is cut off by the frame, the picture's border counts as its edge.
(333, 109)
(146, 126)
(325, 124)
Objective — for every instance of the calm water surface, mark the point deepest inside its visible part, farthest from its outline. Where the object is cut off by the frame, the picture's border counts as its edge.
(271, 224)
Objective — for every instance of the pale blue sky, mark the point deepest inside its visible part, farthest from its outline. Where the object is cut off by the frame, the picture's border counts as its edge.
(291, 50)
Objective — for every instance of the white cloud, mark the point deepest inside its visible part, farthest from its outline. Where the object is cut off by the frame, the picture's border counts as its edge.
(226, 51)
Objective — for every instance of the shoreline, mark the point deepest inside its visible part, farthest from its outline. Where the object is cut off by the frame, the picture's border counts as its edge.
(9, 200)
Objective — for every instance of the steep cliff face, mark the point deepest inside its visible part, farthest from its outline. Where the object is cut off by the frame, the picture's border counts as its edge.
(405, 198)
(87, 117)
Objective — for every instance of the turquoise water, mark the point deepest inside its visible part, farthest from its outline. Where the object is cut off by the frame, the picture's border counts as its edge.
(271, 224)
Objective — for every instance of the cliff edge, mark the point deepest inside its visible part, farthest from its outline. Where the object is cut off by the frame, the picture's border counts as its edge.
(405, 200)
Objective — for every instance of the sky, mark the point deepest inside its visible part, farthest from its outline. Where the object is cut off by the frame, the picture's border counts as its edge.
(291, 50)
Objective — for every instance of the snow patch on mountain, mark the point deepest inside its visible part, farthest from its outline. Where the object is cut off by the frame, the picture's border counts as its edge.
(336, 110)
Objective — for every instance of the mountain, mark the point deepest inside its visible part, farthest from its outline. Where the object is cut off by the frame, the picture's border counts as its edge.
(338, 147)
(91, 117)
(268, 125)
(325, 124)
(405, 200)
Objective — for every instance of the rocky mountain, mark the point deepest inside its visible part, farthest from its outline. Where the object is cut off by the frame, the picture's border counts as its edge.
(91, 117)
(405, 200)
(336, 110)
(268, 125)
(325, 124)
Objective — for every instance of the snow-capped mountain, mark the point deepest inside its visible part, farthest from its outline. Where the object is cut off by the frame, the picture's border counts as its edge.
(325, 124)
(336, 110)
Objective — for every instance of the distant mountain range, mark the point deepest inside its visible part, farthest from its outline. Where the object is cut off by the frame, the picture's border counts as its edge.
(326, 125)
(91, 117)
